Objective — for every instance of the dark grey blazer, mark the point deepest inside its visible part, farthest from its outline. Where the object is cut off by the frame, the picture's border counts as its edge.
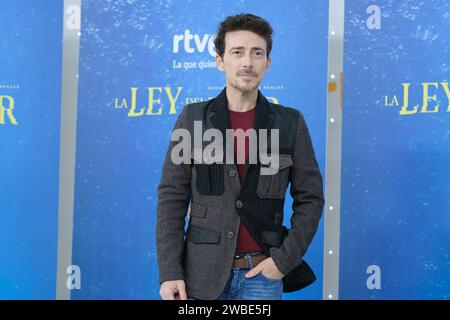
(203, 255)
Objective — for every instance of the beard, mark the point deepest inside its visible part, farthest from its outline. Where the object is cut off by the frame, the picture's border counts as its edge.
(245, 86)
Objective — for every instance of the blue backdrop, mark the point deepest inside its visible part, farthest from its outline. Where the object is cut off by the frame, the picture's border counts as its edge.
(30, 77)
(138, 69)
(395, 167)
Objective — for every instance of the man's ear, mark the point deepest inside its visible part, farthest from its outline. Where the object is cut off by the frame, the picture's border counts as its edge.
(219, 63)
(269, 61)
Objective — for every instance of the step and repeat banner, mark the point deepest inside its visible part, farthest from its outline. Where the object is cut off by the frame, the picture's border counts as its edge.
(30, 94)
(141, 62)
(395, 205)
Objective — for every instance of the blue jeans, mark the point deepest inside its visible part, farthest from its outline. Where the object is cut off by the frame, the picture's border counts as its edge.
(259, 287)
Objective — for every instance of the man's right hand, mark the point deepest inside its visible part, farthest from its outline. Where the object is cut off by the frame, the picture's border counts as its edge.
(173, 290)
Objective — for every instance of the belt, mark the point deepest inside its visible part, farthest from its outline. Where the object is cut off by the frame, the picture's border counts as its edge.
(241, 261)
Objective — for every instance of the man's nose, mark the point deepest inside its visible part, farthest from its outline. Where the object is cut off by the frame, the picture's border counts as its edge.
(247, 61)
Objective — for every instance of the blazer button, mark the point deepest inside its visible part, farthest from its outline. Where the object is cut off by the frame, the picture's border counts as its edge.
(239, 204)
(232, 173)
(230, 235)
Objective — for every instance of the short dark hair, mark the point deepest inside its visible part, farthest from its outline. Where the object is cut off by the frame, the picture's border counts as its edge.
(248, 22)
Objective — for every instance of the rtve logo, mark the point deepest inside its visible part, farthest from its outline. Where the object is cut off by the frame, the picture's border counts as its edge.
(198, 44)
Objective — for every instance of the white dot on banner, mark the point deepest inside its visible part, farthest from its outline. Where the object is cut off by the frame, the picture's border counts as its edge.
(333, 32)
(330, 296)
(330, 252)
(332, 120)
(331, 207)
(332, 76)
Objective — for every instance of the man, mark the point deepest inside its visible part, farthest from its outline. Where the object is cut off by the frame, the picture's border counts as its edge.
(235, 246)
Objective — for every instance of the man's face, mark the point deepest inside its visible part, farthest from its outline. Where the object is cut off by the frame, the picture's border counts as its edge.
(244, 61)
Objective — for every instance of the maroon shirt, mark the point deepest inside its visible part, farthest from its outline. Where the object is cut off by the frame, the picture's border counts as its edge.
(243, 120)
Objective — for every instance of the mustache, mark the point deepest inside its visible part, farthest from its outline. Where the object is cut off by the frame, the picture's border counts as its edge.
(247, 73)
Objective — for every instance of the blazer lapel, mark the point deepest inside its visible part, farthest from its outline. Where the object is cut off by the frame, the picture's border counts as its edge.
(220, 119)
(217, 116)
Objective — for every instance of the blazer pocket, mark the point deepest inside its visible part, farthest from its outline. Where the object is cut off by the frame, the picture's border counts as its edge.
(200, 235)
(274, 186)
(198, 210)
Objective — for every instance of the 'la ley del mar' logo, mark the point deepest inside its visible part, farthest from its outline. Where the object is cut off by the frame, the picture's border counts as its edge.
(6, 110)
(431, 91)
(213, 152)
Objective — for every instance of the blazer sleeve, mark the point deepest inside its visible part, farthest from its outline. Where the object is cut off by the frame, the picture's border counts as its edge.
(173, 202)
(308, 201)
